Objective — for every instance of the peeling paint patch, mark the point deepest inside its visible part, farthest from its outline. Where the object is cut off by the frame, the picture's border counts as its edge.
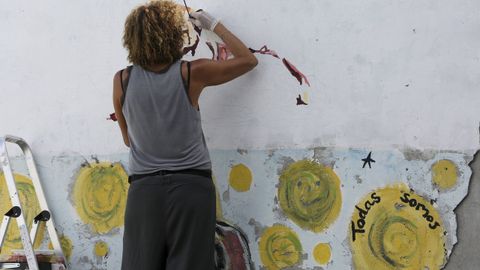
(242, 151)
(358, 179)
(416, 154)
(226, 195)
(284, 162)
(258, 227)
(324, 156)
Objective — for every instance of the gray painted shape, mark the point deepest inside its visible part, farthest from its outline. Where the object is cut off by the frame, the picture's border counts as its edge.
(465, 254)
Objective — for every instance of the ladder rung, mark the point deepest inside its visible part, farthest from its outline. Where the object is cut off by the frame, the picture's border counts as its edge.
(9, 265)
(46, 252)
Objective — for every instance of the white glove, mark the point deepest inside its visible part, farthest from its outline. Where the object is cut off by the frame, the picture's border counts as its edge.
(203, 20)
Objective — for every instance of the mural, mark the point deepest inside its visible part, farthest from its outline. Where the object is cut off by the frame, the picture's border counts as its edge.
(322, 253)
(346, 208)
(309, 194)
(100, 195)
(280, 247)
(231, 248)
(101, 249)
(30, 209)
(66, 244)
(306, 208)
(280, 209)
(240, 178)
(444, 174)
(393, 228)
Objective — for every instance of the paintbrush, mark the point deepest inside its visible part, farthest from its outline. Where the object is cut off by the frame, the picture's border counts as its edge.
(198, 29)
(185, 2)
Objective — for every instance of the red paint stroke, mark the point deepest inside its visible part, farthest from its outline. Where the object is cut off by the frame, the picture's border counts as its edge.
(300, 101)
(265, 50)
(112, 117)
(188, 35)
(235, 249)
(198, 29)
(210, 46)
(232, 250)
(222, 51)
(191, 48)
(295, 72)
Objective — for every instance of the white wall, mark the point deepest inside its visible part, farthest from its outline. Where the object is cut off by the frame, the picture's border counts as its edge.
(58, 59)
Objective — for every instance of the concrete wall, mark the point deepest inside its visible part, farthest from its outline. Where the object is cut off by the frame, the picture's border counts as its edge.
(397, 79)
(465, 253)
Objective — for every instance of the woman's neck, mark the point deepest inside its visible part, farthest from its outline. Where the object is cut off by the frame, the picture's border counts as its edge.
(158, 67)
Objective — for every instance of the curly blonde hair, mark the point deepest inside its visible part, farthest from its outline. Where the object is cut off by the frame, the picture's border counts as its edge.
(154, 34)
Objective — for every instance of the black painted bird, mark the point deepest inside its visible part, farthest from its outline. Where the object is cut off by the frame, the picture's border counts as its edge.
(368, 159)
(300, 101)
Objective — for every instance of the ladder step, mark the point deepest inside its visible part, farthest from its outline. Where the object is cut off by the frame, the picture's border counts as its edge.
(46, 252)
(24, 266)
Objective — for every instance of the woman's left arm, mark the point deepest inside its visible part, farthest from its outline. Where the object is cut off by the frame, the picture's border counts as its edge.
(117, 105)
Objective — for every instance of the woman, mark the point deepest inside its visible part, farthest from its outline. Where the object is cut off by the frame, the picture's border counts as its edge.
(170, 213)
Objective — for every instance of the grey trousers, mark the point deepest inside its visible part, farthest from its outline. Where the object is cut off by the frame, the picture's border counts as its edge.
(170, 223)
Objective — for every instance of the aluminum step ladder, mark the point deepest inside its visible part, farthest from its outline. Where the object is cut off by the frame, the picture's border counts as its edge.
(17, 213)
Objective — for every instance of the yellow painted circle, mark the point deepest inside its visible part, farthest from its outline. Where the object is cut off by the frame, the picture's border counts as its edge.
(30, 208)
(322, 253)
(279, 247)
(66, 245)
(240, 178)
(100, 195)
(393, 228)
(101, 249)
(444, 174)
(309, 194)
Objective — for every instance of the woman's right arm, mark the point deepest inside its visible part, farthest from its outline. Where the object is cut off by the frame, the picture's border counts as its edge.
(207, 72)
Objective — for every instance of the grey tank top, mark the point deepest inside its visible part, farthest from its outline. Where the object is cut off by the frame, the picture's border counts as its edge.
(164, 129)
